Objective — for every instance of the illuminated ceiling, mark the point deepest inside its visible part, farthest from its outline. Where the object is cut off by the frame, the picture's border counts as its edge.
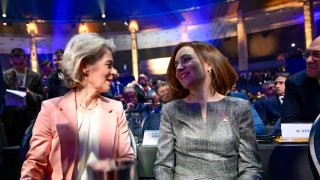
(159, 21)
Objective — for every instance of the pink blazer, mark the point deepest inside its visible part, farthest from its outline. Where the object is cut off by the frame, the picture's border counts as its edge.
(54, 143)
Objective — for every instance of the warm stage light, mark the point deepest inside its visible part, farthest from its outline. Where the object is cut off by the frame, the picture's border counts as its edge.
(32, 29)
(83, 28)
(156, 66)
(4, 24)
(104, 23)
(133, 25)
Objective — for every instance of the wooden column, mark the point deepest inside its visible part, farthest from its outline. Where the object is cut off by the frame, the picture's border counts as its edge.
(242, 43)
(308, 21)
(133, 28)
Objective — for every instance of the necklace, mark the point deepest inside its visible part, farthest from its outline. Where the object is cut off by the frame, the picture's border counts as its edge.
(88, 109)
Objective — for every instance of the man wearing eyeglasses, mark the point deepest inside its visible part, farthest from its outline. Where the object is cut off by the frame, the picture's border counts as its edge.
(302, 94)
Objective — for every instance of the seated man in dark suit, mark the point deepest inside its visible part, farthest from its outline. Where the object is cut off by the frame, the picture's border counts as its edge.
(302, 98)
(269, 108)
(135, 111)
(19, 77)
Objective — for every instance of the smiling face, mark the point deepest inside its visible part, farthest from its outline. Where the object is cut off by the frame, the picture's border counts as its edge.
(189, 69)
(100, 74)
(313, 61)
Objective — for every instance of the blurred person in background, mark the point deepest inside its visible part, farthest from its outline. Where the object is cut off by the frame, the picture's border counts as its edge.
(3, 138)
(161, 89)
(257, 122)
(46, 69)
(142, 88)
(17, 118)
(56, 85)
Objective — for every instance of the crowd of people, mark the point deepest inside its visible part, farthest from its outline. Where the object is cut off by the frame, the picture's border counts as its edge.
(81, 112)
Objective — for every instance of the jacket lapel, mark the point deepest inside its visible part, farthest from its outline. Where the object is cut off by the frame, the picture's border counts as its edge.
(29, 78)
(107, 129)
(67, 128)
(11, 79)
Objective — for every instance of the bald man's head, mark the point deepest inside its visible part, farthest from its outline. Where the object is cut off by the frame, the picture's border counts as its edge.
(313, 59)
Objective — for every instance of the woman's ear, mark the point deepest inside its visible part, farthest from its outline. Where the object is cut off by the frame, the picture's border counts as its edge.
(209, 69)
(84, 68)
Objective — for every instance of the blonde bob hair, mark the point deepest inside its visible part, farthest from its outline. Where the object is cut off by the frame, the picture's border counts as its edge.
(223, 76)
(87, 48)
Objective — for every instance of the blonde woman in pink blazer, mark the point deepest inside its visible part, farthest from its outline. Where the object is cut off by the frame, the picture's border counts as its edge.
(82, 126)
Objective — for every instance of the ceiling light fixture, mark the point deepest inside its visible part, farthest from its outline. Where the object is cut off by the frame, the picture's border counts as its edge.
(4, 15)
(103, 16)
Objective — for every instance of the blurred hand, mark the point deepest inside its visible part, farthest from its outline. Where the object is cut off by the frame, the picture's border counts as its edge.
(130, 106)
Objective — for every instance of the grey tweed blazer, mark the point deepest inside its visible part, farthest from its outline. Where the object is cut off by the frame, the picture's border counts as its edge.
(223, 147)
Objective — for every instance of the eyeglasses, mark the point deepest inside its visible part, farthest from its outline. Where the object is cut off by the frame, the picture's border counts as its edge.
(314, 54)
(57, 59)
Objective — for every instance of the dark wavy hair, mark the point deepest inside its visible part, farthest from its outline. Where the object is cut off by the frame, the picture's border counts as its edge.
(223, 76)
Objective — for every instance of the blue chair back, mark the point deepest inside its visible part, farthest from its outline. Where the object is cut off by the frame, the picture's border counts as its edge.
(314, 143)
(151, 121)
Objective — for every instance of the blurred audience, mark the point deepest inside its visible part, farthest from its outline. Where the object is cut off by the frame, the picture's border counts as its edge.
(269, 108)
(116, 88)
(135, 111)
(257, 122)
(161, 88)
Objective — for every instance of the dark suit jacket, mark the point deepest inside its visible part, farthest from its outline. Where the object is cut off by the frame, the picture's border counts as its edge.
(33, 83)
(112, 92)
(2, 92)
(269, 109)
(120, 87)
(16, 119)
(142, 97)
(302, 99)
(56, 87)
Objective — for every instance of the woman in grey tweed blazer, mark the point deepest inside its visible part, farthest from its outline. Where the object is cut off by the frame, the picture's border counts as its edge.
(203, 133)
